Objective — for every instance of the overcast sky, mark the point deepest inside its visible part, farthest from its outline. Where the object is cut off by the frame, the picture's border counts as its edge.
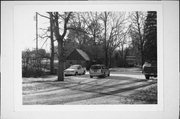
(29, 34)
(28, 24)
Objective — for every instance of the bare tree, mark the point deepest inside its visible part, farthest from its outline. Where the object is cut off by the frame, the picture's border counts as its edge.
(122, 47)
(104, 18)
(46, 36)
(114, 30)
(52, 43)
(93, 28)
(137, 31)
(77, 29)
(60, 39)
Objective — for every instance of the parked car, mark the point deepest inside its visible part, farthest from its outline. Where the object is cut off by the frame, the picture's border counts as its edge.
(99, 70)
(75, 70)
(150, 69)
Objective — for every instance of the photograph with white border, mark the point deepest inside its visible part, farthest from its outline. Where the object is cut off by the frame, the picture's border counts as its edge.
(76, 55)
(112, 43)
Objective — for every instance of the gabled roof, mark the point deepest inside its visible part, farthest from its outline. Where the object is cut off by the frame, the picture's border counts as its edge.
(83, 54)
(78, 54)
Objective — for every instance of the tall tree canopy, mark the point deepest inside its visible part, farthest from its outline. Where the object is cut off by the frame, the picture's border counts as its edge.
(105, 36)
(137, 33)
(150, 35)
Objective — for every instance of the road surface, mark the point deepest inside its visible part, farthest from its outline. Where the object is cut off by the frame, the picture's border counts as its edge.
(85, 90)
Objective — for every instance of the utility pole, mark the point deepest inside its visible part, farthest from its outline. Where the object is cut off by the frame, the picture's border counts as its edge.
(37, 32)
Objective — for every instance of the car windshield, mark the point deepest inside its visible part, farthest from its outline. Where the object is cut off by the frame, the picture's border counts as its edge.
(96, 67)
(74, 67)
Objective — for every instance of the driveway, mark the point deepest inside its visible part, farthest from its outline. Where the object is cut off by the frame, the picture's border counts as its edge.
(84, 90)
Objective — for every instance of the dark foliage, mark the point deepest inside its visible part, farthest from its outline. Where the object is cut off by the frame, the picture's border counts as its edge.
(150, 47)
(32, 63)
(148, 95)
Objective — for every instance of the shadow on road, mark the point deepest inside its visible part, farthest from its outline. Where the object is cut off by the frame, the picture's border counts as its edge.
(95, 94)
(94, 88)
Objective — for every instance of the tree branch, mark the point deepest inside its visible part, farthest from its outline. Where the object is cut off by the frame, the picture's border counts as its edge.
(43, 16)
(65, 24)
(76, 29)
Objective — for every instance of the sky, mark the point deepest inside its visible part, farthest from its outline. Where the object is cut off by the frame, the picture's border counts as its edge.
(28, 24)
(30, 31)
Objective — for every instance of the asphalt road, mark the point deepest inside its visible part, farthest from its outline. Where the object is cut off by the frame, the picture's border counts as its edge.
(84, 90)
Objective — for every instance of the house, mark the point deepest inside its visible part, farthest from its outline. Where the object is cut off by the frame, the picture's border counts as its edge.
(77, 56)
(131, 60)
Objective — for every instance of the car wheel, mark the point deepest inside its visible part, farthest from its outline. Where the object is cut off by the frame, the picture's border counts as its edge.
(91, 76)
(109, 74)
(84, 72)
(75, 73)
(104, 75)
(147, 76)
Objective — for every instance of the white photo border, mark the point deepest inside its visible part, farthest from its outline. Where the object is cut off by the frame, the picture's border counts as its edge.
(83, 110)
(86, 7)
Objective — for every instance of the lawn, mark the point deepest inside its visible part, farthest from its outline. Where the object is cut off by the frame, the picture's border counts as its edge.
(148, 95)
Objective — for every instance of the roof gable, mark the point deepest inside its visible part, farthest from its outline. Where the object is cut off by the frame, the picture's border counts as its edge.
(83, 54)
(78, 54)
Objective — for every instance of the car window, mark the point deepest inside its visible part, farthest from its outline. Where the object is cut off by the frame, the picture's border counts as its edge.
(103, 67)
(74, 67)
(146, 64)
(95, 67)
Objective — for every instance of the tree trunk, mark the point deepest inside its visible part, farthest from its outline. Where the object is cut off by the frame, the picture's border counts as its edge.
(95, 47)
(142, 56)
(105, 43)
(106, 56)
(52, 57)
(123, 55)
(140, 38)
(61, 61)
(59, 39)
(109, 60)
(52, 45)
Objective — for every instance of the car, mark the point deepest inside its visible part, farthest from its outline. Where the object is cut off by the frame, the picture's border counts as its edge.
(75, 70)
(150, 69)
(99, 70)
